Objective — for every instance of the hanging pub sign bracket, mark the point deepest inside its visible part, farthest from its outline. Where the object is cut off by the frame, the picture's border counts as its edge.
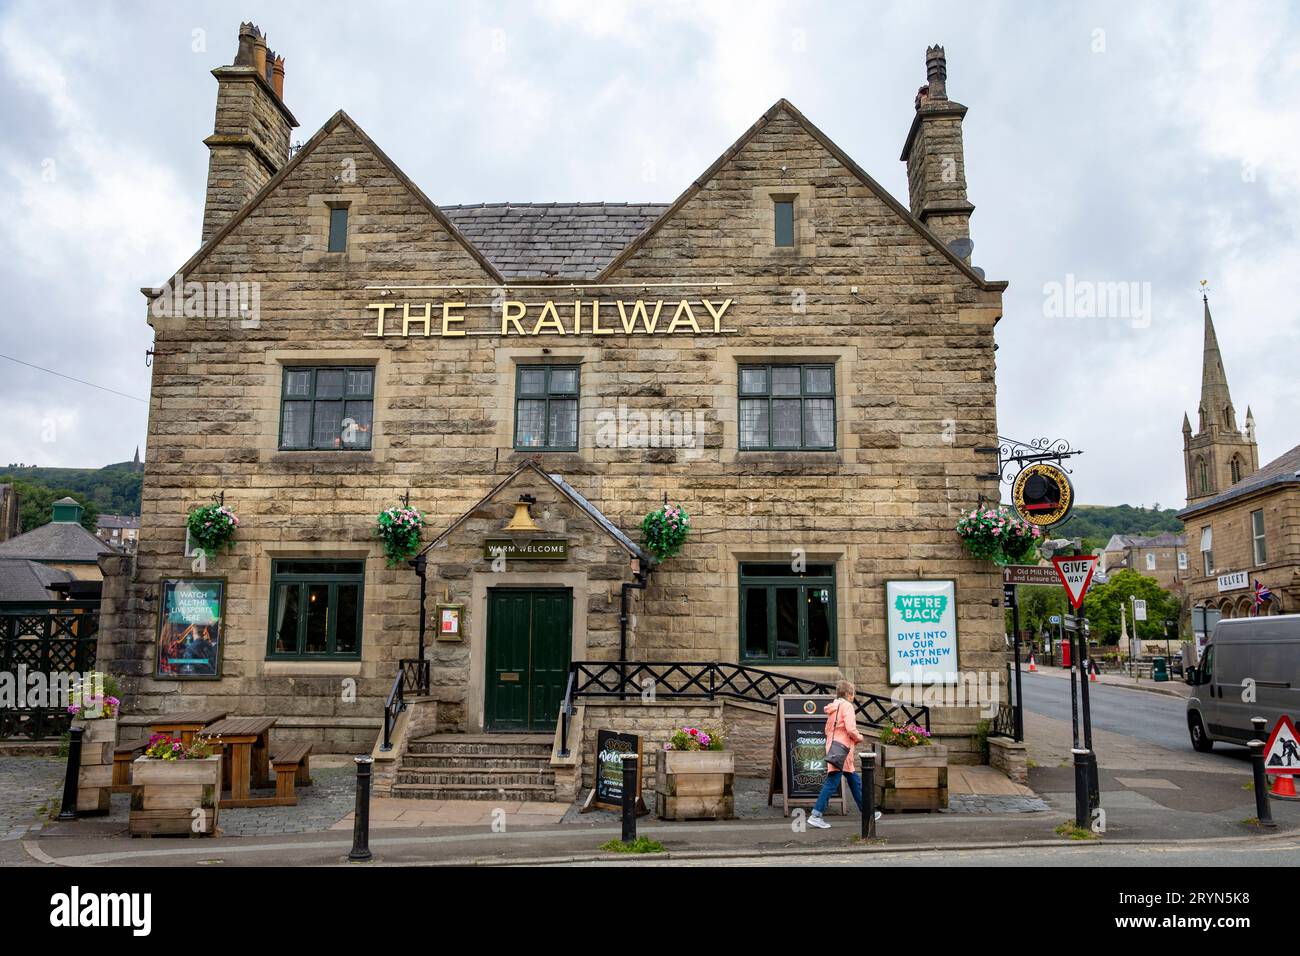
(1041, 491)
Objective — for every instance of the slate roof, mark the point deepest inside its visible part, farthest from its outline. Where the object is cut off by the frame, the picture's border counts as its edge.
(552, 240)
(22, 580)
(598, 516)
(56, 541)
(1285, 469)
(1167, 539)
(109, 522)
(563, 488)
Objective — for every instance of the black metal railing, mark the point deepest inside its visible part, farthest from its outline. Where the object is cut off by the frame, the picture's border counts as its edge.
(51, 639)
(1003, 723)
(412, 675)
(711, 681)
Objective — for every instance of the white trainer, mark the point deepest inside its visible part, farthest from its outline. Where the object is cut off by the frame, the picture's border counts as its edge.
(815, 820)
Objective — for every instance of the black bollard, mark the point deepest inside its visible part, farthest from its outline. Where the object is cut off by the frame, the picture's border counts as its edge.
(1263, 812)
(1261, 727)
(868, 759)
(1081, 796)
(630, 794)
(68, 810)
(361, 815)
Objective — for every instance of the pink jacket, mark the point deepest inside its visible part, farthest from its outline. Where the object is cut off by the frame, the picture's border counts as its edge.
(842, 723)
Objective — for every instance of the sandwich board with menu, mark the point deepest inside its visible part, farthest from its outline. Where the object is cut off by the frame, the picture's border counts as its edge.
(799, 752)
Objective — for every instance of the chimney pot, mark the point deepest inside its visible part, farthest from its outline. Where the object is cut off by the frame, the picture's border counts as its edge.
(277, 77)
(247, 36)
(936, 72)
(259, 54)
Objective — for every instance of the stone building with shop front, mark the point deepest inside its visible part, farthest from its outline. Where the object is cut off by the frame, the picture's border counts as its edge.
(799, 360)
(1242, 520)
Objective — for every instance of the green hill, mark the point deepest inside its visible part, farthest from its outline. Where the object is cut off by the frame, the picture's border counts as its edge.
(113, 489)
(1096, 523)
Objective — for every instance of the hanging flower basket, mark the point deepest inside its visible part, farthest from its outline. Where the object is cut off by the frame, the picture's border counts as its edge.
(212, 527)
(998, 535)
(663, 532)
(400, 528)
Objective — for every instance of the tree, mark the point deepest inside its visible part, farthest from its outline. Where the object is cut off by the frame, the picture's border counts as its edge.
(36, 505)
(1102, 607)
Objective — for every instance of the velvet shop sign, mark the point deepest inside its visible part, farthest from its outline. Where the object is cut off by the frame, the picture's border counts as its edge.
(511, 317)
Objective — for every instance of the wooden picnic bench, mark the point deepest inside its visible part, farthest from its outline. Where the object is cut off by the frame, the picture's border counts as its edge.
(245, 742)
(186, 723)
(292, 765)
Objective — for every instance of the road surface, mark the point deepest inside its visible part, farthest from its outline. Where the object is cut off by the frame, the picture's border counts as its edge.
(1155, 718)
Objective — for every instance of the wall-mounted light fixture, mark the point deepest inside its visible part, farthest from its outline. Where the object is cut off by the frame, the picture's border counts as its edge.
(522, 521)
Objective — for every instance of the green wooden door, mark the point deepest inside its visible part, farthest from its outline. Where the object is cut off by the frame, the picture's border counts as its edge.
(529, 636)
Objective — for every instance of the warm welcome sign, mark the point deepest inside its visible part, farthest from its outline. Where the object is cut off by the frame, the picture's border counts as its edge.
(922, 625)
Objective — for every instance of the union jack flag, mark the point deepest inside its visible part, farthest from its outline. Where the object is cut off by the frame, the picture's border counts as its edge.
(1262, 594)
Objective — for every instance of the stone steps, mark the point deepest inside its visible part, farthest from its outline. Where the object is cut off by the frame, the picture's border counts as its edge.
(519, 792)
(483, 777)
(477, 767)
(477, 762)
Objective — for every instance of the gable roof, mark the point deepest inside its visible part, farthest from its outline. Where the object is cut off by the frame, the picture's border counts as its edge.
(339, 118)
(552, 240)
(1283, 470)
(784, 105)
(580, 241)
(56, 541)
(567, 491)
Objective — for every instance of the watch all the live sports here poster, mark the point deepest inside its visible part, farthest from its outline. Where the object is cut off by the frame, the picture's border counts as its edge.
(189, 633)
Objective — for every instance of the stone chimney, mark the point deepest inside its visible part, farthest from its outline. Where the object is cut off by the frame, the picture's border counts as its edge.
(936, 163)
(250, 139)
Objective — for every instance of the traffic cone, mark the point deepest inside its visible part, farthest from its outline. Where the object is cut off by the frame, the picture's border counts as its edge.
(1092, 671)
(1032, 668)
(1283, 786)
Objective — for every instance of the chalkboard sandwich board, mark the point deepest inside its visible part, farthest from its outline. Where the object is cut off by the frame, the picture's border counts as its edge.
(608, 792)
(799, 751)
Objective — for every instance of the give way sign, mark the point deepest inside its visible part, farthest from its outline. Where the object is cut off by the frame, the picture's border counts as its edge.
(1076, 574)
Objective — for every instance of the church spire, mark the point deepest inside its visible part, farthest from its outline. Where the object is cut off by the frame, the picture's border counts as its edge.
(1216, 402)
(1218, 455)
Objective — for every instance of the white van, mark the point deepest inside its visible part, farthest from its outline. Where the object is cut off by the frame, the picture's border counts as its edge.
(1250, 668)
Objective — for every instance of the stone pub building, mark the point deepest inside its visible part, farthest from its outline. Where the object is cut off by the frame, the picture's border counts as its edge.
(801, 361)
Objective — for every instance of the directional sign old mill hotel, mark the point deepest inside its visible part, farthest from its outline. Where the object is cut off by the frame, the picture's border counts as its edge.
(575, 317)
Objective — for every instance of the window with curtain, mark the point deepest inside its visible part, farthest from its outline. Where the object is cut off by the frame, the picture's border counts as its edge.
(328, 408)
(787, 407)
(316, 609)
(546, 408)
(1207, 549)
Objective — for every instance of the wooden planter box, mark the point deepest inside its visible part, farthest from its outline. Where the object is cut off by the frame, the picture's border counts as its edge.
(695, 786)
(95, 772)
(166, 793)
(911, 778)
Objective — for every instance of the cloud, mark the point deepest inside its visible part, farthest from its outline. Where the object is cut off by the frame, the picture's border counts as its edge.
(1161, 156)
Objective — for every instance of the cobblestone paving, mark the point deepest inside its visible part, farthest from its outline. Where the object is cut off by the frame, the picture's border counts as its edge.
(30, 788)
(331, 797)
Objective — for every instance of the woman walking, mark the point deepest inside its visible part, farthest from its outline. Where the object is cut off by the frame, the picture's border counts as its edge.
(841, 737)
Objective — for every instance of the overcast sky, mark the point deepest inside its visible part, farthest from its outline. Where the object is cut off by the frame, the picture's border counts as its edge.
(1144, 143)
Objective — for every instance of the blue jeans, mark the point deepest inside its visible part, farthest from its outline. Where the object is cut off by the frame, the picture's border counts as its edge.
(832, 787)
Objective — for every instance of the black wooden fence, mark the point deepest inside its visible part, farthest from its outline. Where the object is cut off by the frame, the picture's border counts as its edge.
(41, 647)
